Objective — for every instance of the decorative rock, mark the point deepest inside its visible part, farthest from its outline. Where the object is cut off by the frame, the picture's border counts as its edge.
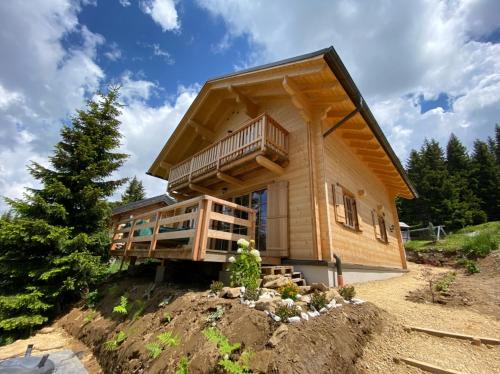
(305, 289)
(294, 319)
(319, 286)
(260, 361)
(275, 317)
(278, 334)
(323, 310)
(357, 301)
(277, 283)
(298, 296)
(313, 314)
(251, 304)
(331, 304)
(288, 302)
(267, 304)
(269, 278)
(332, 294)
(306, 299)
(230, 292)
(304, 316)
(242, 289)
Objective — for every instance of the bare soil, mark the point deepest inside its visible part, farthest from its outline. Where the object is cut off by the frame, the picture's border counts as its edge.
(330, 343)
(479, 292)
(394, 341)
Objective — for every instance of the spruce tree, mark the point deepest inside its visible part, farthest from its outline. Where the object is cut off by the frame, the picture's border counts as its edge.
(53, 245)
(133, 192)
(485, 179)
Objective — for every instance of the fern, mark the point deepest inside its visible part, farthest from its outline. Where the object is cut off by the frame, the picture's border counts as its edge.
(121, 308)
(167, 317)
(90, 316)
(234, 367)
(215, 336)
(113, 344)
(182, 366)
(167, 339)
(154, 350)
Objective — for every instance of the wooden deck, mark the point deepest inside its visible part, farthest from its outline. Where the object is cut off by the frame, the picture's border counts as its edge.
(189, 230)
(261, 139)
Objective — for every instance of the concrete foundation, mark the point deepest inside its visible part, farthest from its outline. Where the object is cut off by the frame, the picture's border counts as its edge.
(326, 272)
(160, 273)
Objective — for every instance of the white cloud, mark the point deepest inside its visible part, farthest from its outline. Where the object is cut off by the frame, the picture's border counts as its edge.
(395, 51)
(163, 13)
(114, 52)
(125, 3)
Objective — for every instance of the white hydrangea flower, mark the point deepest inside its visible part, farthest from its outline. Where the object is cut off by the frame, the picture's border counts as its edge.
(258, 259)
(255, 253)
(239, 250)
(243, 243)
(231, 259)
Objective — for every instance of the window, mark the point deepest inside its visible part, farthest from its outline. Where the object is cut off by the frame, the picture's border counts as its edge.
(346, 211)
(382, 229)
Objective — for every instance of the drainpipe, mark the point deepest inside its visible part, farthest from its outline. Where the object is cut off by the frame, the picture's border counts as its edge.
(338, 265)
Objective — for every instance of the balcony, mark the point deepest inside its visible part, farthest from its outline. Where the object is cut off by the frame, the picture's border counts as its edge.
(260, 142)
(194, 230)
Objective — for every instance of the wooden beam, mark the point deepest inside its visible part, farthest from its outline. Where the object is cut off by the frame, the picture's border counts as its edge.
(270, 165)
(298, 98)
(201, 130)
(165, 165)
(357, 135)
(440, 333)
(229, 179)
(364, 145)
(200, 189)
(330, 86)
(425, 366)
(251, 108)
(337, 101)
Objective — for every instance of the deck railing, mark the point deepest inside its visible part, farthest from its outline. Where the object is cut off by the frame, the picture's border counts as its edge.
(259, 135)
(184, 230)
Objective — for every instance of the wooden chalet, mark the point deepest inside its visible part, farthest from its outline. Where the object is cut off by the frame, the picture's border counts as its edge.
(288, 154)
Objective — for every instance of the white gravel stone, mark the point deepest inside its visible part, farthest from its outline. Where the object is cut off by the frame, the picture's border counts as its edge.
(304, 316)
(294, 319)
(323, 310)
(288, 302)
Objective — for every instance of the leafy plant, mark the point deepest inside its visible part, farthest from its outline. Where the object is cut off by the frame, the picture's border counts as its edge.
(167, 339)
(285, 311)
(215, 336)
(154, 350)
(89, 317)
(470, 266)
(167, 317)
(289, 291)
(217, 314)
(234, 367)
(92, 298)
(113, 344)
(122, 306)
(245, 268)
(443, 284)
(182, 366)
(318, 300)
(480, 245)
(347, 292)
(252, 293)
(216, 286)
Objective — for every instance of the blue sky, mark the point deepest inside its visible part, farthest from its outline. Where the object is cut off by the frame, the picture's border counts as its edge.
(426, 68)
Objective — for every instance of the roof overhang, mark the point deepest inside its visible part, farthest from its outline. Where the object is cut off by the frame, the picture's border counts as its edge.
(283, 73)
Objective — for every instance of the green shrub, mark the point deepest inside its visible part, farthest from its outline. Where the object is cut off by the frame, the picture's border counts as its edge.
(480, 245)
(167, 339)
(216, 286)
(443, 284)
(216, 315)
(154, 350)
(285, 311)
(113, 344)
(347, 292)
(245, 267)
(122, 306)
(89, 317)
(289, 291)
(182, 366)
(252, 293)
(92, 298)
(470, 266)
(318, 300)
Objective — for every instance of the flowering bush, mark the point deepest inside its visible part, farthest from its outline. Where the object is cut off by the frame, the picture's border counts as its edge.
(245, 267)
(289, 291)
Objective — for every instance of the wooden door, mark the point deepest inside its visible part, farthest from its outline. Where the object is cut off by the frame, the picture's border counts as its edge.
(277, 219)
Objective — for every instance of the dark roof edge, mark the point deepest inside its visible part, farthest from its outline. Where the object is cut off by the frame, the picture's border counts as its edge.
(337, 66)
(144, 202)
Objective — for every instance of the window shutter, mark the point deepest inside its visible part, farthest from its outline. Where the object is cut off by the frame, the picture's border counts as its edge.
(277, 219)
(376, 228)
(339, 203)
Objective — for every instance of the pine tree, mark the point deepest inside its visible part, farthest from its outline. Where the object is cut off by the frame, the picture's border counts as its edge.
(133, 192)
(485, 179)
(53, 245)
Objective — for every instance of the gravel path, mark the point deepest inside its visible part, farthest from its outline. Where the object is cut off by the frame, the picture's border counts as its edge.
(445, 352)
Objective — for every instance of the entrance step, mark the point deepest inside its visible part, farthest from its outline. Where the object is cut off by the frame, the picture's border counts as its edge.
(295, 276)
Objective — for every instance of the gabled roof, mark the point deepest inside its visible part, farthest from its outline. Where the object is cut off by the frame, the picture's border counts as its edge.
(142, 203)
(207, 97)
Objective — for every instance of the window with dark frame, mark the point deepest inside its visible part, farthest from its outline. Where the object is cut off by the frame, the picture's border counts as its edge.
(351, 213)
(382, 228)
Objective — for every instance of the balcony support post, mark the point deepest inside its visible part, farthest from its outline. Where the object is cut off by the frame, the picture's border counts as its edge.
(270, 165)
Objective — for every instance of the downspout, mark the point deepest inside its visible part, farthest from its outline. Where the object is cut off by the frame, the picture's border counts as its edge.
(338, 265)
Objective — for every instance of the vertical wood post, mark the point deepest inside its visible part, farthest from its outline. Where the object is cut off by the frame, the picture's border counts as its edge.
(202, 207)
(130, 236)
(156, 227)
(204, 229)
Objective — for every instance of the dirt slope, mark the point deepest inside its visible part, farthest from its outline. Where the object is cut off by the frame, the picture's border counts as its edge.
(330, 343)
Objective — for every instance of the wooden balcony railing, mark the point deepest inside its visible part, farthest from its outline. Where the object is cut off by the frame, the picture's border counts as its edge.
(185, 230)
(260, 135)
